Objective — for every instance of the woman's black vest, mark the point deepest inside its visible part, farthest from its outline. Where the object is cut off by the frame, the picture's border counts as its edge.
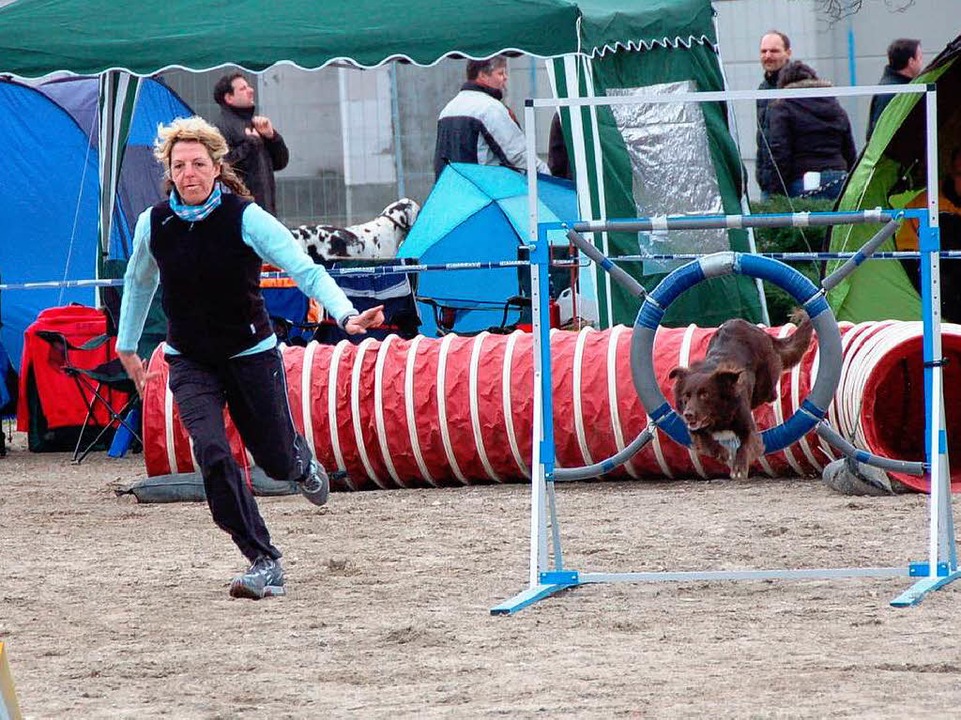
(210, 280)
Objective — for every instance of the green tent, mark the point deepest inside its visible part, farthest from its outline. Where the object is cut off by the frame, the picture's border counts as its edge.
(670, 159)
(598, 46)
(891, 172)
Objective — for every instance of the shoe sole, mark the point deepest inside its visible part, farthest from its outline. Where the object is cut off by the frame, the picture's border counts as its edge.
(239, 590)
(318, 497)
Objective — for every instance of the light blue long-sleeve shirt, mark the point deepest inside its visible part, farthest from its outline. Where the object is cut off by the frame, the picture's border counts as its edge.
(263, 233)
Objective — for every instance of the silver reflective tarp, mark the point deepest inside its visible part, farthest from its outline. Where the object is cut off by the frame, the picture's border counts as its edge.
(672, 170)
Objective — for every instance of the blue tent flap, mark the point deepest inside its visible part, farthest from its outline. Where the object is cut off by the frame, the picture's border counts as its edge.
(48, 210)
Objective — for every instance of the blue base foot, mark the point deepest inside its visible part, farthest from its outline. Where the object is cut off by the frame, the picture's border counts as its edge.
(917, 592)
(551, 583)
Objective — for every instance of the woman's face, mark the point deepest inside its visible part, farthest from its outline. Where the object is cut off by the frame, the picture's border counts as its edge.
(193, 171)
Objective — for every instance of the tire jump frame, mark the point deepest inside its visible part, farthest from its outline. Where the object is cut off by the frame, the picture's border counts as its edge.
(544, 582)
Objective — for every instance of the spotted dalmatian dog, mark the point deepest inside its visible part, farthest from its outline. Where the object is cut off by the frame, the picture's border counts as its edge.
(378, 238)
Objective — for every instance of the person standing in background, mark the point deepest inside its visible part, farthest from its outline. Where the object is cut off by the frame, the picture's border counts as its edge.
(811, 141)
(477, 127)
(257, 150)
(557, 158)
(775, 54)
(905, 62)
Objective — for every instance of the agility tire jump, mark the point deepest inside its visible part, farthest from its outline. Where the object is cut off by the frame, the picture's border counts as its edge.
(812, 409)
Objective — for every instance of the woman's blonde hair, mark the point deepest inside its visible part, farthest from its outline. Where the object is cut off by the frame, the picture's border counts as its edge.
(196, 129)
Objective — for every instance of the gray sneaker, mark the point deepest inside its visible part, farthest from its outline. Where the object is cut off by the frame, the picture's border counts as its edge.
(264, 578)
(316, 486)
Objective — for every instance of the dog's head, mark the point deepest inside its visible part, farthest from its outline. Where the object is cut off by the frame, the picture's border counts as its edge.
(402, 213)
(707, 400)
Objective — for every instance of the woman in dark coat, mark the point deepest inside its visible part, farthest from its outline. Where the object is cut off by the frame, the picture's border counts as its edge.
(809, 136)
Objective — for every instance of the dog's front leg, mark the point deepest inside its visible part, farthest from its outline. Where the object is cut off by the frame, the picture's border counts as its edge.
(706, 444)
(751, 448)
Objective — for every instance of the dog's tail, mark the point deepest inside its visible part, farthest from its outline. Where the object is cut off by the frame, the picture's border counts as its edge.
(792, 348)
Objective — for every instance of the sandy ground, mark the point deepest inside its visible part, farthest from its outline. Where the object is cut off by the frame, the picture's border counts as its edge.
(111, 609)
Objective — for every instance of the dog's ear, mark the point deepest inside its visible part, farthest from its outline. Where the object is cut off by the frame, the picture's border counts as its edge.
(413, 210)
(678, 373)
(398, 215)
(727, 377)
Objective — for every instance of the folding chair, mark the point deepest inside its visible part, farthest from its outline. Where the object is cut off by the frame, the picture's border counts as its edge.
(95, 386)
(448, 311)
(395, 291)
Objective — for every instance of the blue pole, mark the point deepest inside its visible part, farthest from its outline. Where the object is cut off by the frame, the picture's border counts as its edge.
(540, 254)
(852, 57)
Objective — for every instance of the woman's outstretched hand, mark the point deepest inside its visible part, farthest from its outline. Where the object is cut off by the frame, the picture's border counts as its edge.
(358, 324)
(136, 370)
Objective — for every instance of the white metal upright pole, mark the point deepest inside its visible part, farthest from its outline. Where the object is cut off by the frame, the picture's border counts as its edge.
(538, 478)
(936, 451)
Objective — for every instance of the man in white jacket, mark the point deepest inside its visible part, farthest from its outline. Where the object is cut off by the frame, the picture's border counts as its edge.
(477, 127)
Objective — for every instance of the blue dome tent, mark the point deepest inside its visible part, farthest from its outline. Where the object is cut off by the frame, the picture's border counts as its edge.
(478, 213)
(50, 195)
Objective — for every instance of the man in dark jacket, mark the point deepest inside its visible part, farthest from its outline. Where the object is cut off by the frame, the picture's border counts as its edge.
(775, 54)
(904, 64)
(257, 150)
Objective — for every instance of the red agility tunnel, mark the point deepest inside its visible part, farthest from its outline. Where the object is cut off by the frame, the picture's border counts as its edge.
(458, 410)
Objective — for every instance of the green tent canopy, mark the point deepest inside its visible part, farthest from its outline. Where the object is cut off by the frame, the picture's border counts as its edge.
(594, 47)
(891, 172)
(90, 36)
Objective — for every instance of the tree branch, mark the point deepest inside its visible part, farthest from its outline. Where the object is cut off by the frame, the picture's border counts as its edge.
(835, 10)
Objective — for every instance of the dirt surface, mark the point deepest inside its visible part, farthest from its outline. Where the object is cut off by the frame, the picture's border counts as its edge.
(113, 609)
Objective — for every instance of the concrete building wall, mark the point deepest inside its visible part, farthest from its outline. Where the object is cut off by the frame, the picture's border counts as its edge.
(358, 139)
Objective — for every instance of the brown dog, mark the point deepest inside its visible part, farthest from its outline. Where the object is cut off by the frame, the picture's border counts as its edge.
(741, 370)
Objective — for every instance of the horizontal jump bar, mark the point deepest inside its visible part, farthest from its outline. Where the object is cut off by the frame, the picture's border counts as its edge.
(788, 256)
(729, 95)
(730, 222)
(335, 272)
(386, 270)
(711, 575)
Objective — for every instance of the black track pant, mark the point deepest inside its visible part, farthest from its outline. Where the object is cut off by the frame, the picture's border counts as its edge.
(255, 390)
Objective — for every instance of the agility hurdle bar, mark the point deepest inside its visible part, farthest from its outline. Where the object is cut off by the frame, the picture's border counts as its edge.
(494, 265)
(549, 578)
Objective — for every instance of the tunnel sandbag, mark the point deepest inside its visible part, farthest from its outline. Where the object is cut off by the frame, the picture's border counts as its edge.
(189, 487)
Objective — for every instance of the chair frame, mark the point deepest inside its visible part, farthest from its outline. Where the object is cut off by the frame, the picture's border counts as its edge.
(90, 384)
(445, 326)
